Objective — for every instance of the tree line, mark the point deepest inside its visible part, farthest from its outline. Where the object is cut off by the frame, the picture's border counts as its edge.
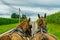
(15, 15)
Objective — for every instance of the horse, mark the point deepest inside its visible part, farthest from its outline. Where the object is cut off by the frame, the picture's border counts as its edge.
(22, 32)
(41, 33)
(42, 23)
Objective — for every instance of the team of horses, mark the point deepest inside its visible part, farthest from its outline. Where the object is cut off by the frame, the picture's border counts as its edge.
(23, 31)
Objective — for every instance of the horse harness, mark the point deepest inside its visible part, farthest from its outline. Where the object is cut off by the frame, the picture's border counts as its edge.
(21, 33)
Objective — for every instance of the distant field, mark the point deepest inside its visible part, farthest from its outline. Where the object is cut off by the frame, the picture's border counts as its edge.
(4, 21)
(4, 28)
(54, 29)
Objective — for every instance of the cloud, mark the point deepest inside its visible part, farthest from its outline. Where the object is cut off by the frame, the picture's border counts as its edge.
(34, 3)
(3, 9)
(38, 9)
(5, 16)
(29, 7)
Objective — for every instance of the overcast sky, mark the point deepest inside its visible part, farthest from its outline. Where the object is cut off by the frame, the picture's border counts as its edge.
(33, 6)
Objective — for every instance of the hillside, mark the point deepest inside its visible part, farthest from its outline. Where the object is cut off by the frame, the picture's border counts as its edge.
(54, 18)
(53, 24)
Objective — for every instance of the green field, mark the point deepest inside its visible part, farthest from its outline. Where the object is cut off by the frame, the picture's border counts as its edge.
(54, 26)
(52, 29)
(5, 21)
(4, 28)
(54, 18)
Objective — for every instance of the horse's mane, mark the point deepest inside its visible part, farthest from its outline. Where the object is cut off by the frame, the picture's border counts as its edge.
(40, 21)
(22, 23)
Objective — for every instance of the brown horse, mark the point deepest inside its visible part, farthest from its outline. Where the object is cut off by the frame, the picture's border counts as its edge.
(42, 23)
(42, 34)
(20, 33)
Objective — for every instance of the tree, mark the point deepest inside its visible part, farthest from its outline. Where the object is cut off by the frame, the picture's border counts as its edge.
(14, 15)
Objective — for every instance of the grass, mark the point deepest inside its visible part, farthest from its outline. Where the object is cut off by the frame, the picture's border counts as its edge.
(4, 28)
(54, 29)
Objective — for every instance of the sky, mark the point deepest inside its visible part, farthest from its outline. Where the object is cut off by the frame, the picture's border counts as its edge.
(29, 7)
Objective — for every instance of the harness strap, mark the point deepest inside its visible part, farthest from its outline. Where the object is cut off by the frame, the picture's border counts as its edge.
(21, 33)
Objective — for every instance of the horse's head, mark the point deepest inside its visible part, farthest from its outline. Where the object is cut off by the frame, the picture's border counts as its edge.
(41, 20)
(24, 25)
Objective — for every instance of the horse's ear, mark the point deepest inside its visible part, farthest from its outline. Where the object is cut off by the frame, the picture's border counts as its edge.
(29, 20)
(45, 15)
(38, 15)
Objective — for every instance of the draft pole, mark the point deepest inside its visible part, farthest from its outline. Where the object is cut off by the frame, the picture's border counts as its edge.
(19, 15)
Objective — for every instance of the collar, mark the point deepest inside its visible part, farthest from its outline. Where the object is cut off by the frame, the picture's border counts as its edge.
(22, 33)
